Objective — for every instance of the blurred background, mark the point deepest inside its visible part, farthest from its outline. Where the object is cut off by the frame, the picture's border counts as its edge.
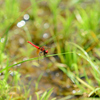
(70, 31)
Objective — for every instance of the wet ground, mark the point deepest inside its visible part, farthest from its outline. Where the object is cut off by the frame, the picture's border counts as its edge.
(52, 77)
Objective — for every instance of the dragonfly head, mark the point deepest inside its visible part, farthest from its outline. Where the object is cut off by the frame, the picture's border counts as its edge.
(46, 51)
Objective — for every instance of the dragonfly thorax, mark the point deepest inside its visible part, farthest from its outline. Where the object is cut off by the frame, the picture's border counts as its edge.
(45, 52)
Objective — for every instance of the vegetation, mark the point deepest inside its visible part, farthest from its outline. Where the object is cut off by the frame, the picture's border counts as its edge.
(71, 30)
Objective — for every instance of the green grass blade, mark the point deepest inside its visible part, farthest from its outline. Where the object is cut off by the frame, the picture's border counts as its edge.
(48, 94)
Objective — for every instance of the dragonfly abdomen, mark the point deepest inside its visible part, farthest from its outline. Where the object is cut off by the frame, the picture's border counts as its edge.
(33, 45)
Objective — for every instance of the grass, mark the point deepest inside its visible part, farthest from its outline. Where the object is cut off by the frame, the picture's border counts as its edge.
(45, 95)
(73, 31)
(8, 14)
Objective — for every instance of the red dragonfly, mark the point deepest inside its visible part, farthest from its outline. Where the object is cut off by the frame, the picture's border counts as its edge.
(40, 49)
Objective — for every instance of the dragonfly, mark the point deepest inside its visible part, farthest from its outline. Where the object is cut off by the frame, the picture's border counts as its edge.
(39, 49)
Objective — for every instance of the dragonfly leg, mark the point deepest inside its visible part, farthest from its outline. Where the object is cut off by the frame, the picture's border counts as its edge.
(40, 53)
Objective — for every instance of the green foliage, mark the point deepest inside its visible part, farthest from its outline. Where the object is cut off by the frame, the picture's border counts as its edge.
(75, 23)
(9, 13)
(94, 70)
(4, 90)
(45, 95)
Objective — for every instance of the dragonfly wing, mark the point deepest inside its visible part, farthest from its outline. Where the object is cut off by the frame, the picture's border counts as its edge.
(38, 51)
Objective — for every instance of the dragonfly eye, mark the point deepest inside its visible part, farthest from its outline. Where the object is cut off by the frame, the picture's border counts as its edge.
(46, 51)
